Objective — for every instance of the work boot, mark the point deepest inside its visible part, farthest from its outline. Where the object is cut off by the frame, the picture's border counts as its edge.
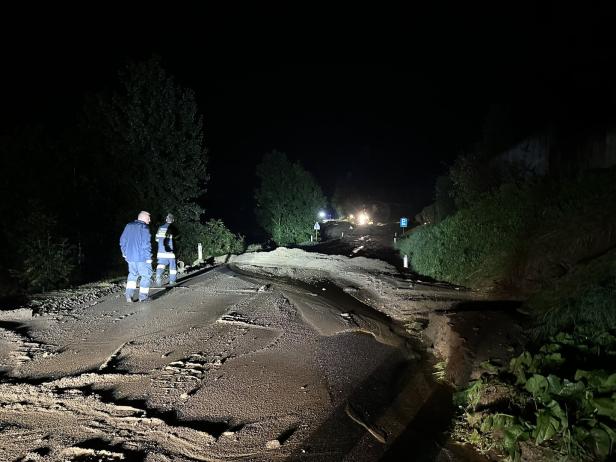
(129, 300)
(145, 300)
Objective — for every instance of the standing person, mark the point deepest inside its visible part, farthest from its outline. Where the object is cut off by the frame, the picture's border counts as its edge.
(165, 255)
(137, 251)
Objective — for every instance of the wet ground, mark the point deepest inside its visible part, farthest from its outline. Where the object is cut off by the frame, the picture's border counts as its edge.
(227, 365)
(283, 355)
(372, 241)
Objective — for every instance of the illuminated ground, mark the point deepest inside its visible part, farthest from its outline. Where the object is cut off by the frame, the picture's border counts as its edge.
(274, 357)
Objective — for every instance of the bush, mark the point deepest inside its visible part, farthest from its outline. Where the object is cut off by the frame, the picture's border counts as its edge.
(474, 242)
(469, 179)
(254, 248)
(217, 240)
(47, 265)
(521, 234)
(46, 260)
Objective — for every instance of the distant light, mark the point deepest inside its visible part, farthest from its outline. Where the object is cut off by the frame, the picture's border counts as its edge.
(322, 214)
(363, 218)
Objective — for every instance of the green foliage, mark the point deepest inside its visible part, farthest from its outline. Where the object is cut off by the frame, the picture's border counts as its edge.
(469, 180)
(474, 242)
(593, 308)
(470, 396)
(440, 371)
(218, 240)
(444, 204)
(574, 409)
(288, 199)
(520, 235)
(46, 260)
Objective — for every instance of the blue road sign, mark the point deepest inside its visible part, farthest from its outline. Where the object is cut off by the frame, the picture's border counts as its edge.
(404, 222)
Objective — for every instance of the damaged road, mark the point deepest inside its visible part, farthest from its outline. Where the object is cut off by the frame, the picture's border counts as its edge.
(261, 359)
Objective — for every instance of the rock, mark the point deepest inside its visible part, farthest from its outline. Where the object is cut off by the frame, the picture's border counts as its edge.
(272, 444)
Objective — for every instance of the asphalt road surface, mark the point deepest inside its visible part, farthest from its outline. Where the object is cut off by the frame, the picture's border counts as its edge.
(227, 365)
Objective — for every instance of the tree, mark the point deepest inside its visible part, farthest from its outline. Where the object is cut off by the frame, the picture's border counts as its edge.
(288, 199)
(152, 155)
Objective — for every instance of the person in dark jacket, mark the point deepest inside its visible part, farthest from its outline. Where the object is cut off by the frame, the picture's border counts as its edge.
(137, 251)
(165, 255)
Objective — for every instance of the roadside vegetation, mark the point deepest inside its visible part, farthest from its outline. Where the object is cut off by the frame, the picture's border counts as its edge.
(557, 399)
(288, 199)
(218, 240)
(550, 241)
(520, 236)
(69, 191)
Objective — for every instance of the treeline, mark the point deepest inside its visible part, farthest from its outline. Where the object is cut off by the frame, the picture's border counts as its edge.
(68, 194)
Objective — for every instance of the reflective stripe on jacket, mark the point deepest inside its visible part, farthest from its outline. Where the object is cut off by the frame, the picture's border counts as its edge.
(164, 239)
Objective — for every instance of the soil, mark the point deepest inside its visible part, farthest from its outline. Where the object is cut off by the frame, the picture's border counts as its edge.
(292, 354)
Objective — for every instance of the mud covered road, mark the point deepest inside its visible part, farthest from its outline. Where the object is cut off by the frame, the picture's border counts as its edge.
(229, 365)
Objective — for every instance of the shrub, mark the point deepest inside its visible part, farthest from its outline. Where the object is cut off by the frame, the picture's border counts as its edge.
(517, 233)
(474, 242)
(469, 179)
(254, 248)
(217, 240)
(46, 260)
(47, 265)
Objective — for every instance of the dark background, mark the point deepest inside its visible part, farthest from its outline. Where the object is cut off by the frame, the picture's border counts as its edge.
(386, 98)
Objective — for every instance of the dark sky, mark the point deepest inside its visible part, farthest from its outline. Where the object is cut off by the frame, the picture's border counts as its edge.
(390, 97)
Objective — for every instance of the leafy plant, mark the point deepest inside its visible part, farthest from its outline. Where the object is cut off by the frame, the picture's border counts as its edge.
(572, 411)
(440, 371)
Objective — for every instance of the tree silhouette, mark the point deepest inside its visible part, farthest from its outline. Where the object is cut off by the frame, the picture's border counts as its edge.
(288, 199)
(149, 152)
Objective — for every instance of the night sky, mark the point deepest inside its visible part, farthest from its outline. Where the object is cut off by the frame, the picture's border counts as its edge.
(388, 99)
